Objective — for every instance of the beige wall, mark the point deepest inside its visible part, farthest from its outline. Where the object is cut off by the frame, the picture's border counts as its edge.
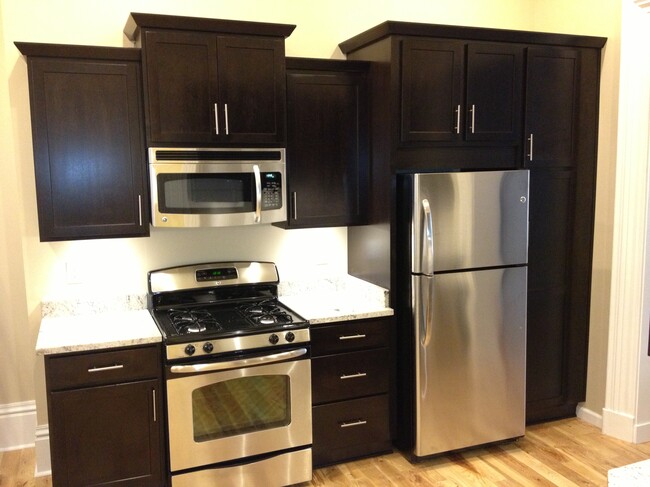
(31, 270)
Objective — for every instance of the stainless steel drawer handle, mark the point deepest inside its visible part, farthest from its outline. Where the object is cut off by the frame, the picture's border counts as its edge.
(352, 337)
(359, 422)
(104, 369)
(353, 376)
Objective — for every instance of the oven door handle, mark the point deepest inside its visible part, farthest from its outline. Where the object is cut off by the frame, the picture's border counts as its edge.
(238, 364)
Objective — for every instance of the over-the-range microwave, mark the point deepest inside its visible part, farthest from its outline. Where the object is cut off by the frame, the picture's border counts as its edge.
(216, 187)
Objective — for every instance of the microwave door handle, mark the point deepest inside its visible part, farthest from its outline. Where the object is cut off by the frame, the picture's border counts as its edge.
(258, 193)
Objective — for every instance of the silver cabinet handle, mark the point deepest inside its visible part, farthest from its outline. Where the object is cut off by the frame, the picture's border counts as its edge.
(153, 391)
(104, 369)
(236, 364)
(352, 337)
(294, 205)
(258, 192)
(353, 376)
(530, 147)
(473, 112)
(225, 112)
(457, 127)
(359, 422)
(140, 208)
(216, 118)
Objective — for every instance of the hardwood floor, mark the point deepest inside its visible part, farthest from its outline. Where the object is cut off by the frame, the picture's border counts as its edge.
(561, 453)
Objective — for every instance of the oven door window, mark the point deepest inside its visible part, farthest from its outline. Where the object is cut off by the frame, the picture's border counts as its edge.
(239, 406)
(206, 193)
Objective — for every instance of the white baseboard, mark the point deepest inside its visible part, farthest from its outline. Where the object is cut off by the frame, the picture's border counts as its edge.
(17, 425)
(43, 462)
(589, 416)
(642, 433)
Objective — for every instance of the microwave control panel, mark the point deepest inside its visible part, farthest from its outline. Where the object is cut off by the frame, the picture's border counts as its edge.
(271, 190)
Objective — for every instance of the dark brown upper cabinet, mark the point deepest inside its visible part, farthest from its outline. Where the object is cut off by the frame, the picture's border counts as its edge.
(551, 106)
(210, 81)
(327, 142)
(452, 91)
(87, 130)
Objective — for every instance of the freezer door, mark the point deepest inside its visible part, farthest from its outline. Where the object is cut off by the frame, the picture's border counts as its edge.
(478, 219)
(470, 367)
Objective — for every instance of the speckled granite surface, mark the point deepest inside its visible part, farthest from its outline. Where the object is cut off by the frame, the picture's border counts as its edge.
(93, 324)
(634, 475)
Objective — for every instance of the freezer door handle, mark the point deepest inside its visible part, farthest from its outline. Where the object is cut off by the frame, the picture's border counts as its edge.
(427, 246)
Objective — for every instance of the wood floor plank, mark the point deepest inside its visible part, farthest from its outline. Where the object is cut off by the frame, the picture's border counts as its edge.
(565, 453)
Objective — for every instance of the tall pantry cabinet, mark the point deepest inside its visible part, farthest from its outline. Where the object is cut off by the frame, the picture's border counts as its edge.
(458, 98)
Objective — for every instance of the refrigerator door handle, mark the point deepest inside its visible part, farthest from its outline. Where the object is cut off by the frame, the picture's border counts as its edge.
(425, 300)
(427, 246)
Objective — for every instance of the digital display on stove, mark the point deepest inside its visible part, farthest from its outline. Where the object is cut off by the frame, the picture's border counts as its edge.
(217, 274)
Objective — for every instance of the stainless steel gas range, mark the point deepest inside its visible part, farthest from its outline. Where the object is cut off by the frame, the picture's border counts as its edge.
(238, 376)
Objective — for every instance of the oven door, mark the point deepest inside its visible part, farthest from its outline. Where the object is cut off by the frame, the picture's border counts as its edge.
(202, 194)
(255, 407)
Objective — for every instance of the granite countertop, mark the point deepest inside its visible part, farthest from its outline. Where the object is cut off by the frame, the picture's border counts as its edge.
(85, 332)
(330, 300)
(85, 325)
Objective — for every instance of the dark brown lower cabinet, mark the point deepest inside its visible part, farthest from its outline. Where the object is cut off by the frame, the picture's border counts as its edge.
(105, 418)
(351, 380)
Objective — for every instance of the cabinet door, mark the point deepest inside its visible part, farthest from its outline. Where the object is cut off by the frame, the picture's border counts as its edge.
(431, 90)
(102, 435)
(181, 82)
(88, 148)
(494, 92)
(252, 89)
(327, 149)
(551, 107)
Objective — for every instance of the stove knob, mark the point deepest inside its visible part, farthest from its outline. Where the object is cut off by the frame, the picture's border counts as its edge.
(290, 337)
(208, 347)
(189, 350)
(274, 339)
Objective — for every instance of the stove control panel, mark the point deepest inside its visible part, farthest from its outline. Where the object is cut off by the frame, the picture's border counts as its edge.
(216, 274)
(235, 344)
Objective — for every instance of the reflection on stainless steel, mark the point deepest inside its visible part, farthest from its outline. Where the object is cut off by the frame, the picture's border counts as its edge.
(466, 287)
(186, 453)
(277, 471)
(470, 368)
(476, 222)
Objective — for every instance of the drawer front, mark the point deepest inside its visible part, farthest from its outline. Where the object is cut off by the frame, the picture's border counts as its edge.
(350, 335)
(105, 367)
(350, 429)
(349, 375)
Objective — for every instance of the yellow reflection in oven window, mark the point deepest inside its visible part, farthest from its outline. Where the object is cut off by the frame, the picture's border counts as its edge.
(241, 405)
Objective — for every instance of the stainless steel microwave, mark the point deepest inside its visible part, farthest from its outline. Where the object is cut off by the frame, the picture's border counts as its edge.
(216, 187)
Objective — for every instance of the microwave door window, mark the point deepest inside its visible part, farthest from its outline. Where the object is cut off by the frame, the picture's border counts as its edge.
(206, 193)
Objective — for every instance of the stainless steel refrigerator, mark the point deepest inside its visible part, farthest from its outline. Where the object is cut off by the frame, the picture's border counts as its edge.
(463, 253)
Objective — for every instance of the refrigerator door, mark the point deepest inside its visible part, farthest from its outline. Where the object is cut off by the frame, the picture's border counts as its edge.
(470, 366)
(469, 220)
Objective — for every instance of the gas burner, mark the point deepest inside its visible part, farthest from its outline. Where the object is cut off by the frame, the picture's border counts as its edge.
(267, 313)
(192, 321)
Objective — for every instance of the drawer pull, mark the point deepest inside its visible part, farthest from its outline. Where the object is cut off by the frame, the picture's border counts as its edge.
(353, 376)
(358, 422)
(352, 337)
(104, 369)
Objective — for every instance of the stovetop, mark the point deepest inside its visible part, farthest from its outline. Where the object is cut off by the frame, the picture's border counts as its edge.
(184, 323)
(225, 307)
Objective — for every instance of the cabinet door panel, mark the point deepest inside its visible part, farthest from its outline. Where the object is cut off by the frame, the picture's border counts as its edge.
(551, 106)
(494, 87)
(181, 77)
(430, 91)
(88, 148)
(327, 148)
(104, 434)
(251, 84)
